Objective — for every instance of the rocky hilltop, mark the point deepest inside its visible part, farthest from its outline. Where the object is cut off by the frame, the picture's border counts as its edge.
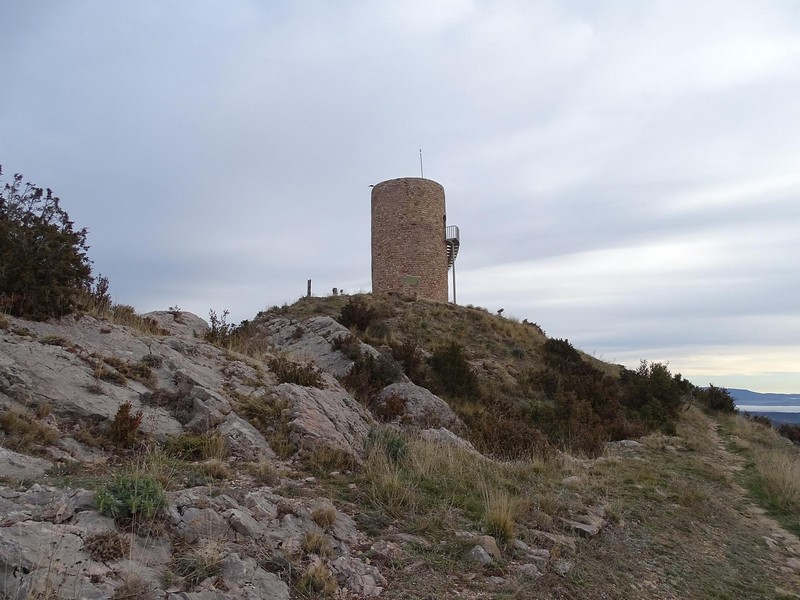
(154, 456)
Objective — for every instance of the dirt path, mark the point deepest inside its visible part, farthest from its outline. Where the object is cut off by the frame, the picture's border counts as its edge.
(784, 545)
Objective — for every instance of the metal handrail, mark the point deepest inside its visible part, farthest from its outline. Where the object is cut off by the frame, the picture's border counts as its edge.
(451, 233)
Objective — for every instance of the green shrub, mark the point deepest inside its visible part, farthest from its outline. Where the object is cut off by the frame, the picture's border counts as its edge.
(130, 496)
(560, 355)
(717, 399)
(393, 445)
(369, 375)
(349, 345)
(407, 354)
(453, 373)
(357, 313)
(790, 431)
(221, 331)
(46, 271)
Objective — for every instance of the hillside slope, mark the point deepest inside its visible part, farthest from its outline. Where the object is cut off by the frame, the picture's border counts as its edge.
(296, 458)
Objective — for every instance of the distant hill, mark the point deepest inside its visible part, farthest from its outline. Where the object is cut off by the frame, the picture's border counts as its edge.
(778, 408)
(748, 397)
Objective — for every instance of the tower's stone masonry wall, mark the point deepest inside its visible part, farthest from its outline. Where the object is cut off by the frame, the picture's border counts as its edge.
(408, 221)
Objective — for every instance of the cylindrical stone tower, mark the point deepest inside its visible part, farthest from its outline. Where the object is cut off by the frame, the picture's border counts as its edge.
(409, 253)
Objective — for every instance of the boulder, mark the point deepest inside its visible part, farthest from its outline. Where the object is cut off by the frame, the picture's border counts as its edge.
(179, 323)
(245, 442)
(410, 404)
(329, 418)
(446, 437)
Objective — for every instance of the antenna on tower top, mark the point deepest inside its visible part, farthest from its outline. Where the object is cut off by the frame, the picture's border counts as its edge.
(421, 172)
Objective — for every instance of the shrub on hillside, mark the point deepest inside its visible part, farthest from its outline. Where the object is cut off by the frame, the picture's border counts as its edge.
(129, 496)
(357, 313)
(653, 395)
(289, 371)
(45, 270)
(452, 372)
(716, 399)
(125, 425)
(370, 374)
(790, 431)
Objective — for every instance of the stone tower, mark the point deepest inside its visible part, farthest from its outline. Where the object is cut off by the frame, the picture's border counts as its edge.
(409, 250)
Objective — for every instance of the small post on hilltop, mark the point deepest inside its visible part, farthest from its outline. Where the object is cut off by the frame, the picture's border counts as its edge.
(421, 172)
(308, 290)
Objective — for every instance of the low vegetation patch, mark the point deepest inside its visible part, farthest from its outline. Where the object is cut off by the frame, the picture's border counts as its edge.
(22, 431)
(317, 582)
(195, 564)
(129, 497)
(286, 370)
(108, 546)
(195, 447)
(271, 416)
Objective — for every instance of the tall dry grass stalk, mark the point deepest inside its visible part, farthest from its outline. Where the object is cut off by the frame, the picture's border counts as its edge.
(387, 486)
(779, 470)
(500, 511)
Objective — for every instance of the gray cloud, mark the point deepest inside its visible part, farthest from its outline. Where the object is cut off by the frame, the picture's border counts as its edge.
(623, 173)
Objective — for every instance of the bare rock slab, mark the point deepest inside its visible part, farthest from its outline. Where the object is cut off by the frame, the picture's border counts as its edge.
(21, 466)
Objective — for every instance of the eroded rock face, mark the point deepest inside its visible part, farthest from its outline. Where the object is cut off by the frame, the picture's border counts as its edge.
(312, 340)
(410, 404)
(331, 418)
(14, 465)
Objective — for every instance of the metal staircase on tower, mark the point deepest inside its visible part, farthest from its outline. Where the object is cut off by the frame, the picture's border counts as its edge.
(453, 241)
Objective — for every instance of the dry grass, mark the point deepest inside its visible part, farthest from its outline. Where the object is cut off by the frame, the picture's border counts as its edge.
(107, 546)
(779, 470)
(23, 431)
(387, 487)
(217, 469)
(317, 582)
(263, 472)
(324, 515)
(125, 315)
(316, 543)
(323, 459)
(133, 588)
(500, 510)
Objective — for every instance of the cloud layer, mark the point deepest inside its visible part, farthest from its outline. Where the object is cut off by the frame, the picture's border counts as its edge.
(623, 173)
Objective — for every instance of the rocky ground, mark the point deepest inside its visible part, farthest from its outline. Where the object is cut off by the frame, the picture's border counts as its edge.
(273, 485)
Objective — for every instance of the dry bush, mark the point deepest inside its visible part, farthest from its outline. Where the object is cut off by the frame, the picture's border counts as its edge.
(324, 515)
(107, 546)
(264, 472)
(134, 588)
(22, 431)
(316, 543)
(289, 371)
(317, 582)
(124, 427)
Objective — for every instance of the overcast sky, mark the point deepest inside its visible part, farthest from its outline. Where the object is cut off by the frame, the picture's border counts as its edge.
(624, 173)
